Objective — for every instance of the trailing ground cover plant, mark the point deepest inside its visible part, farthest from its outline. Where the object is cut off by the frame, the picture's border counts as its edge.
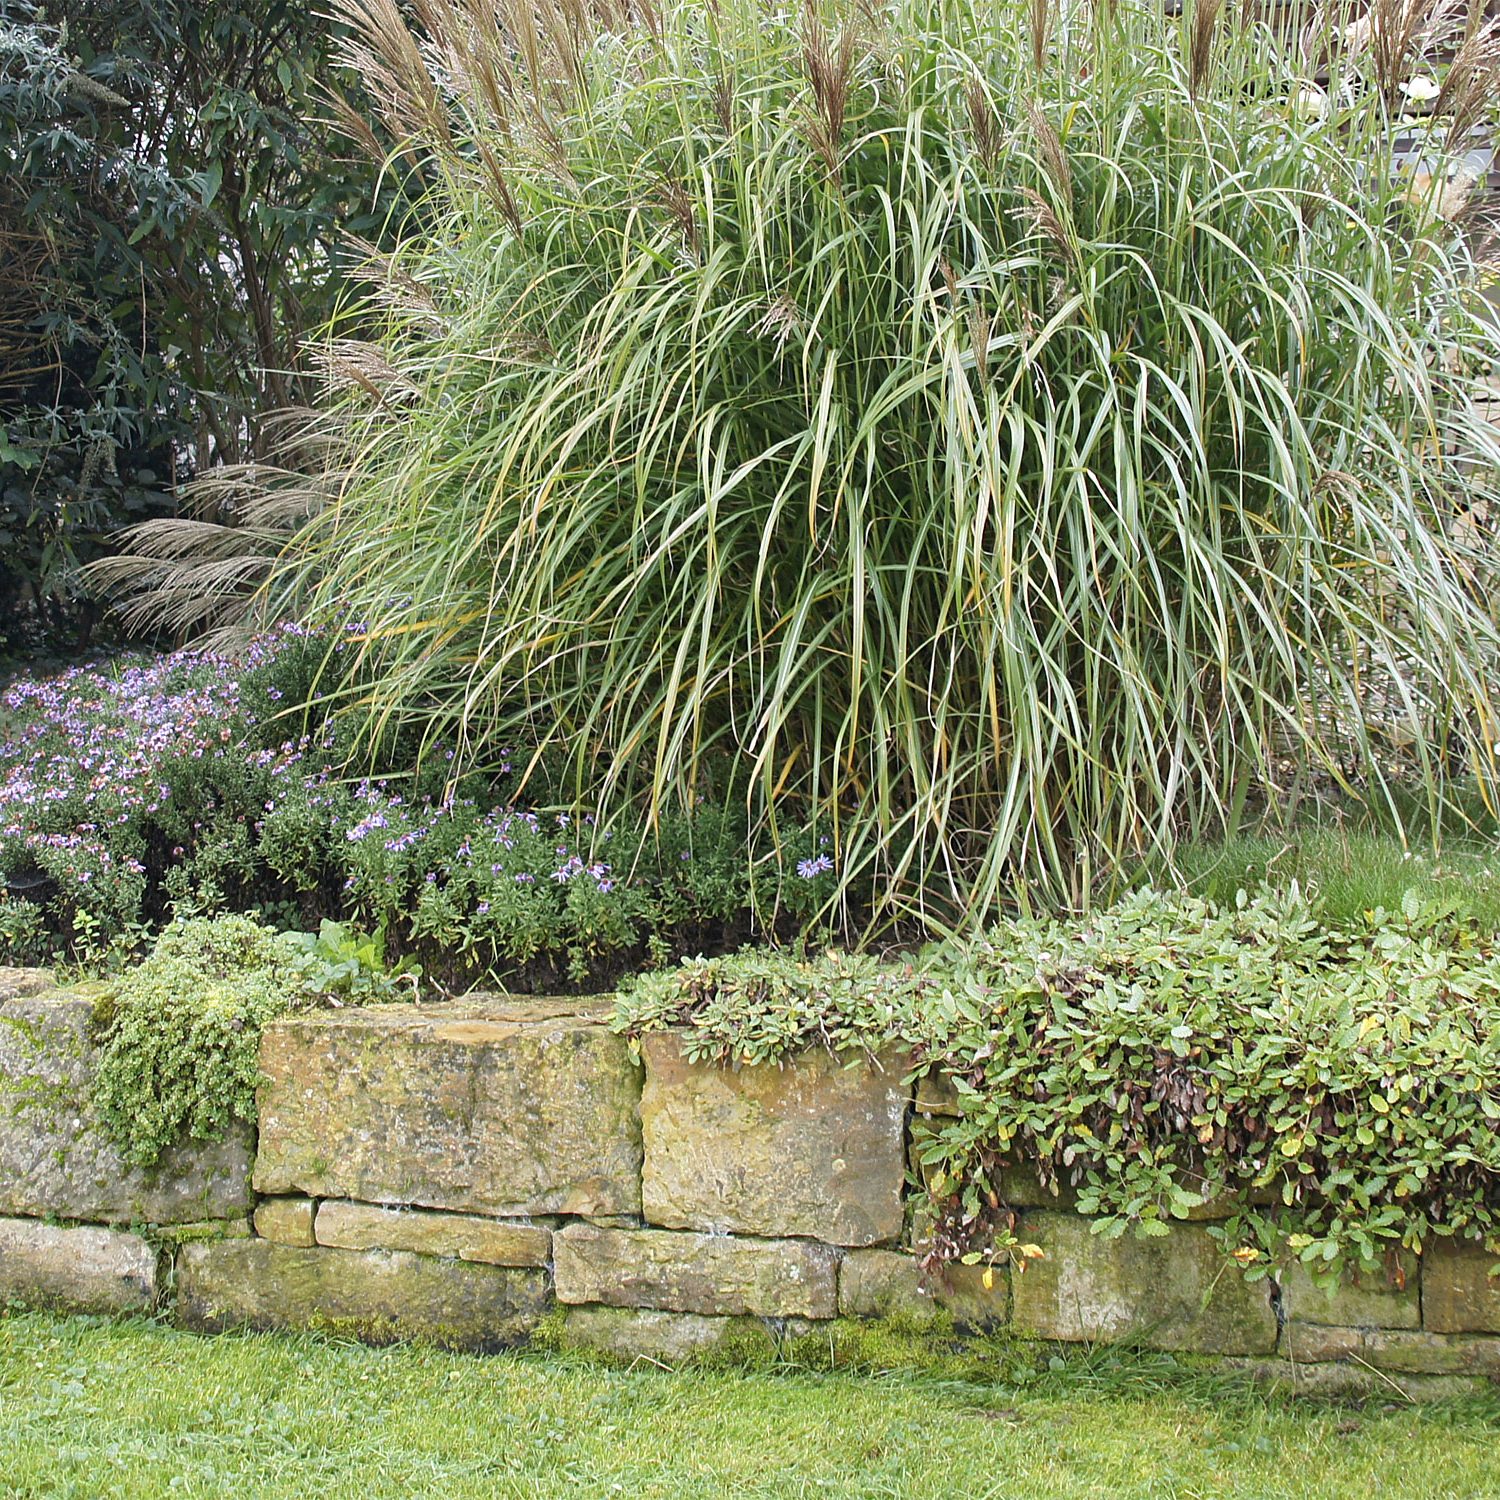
(1335, 1088)
(1011, 437)
(190, 783)
(179, 1032)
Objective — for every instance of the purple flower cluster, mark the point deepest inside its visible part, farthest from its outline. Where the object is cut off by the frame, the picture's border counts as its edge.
(93, 740)
(126, 784)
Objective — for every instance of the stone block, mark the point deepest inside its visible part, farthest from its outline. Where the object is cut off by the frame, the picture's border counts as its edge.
(496, 1242)
(1363, 1299)
(287, 1221)
(55, 1158)
(1458, 1293)
(936, 1095)
(814, 1148)
(697, 1273)
(1178, 1291)
(1318, 1343)
(887, 1284)
(1418, 1353)
(84, 1269)
(472, 1106)
(170, 1236)
(19, 984)
(666, 1338)
(1345, 1381)
(377, 1295)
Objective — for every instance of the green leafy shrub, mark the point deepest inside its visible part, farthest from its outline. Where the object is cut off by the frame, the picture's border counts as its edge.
(180, 1032)
(170, 207)
(347, 966)
(1337, 1087)
(994, 429)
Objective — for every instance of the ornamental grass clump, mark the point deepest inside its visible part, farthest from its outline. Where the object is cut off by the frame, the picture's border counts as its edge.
(1009, 437)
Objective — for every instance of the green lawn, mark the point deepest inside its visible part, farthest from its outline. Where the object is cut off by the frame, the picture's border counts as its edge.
(91, 1408)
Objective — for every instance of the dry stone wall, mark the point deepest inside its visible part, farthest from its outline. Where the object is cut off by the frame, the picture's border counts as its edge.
(476, 1172)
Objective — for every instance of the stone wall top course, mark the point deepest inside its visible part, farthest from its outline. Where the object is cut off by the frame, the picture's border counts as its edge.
(814, 1148)
(55, 1158)
(467, 1106)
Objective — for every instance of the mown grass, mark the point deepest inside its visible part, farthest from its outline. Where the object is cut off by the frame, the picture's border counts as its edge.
(1348, 873)
(93, 1409)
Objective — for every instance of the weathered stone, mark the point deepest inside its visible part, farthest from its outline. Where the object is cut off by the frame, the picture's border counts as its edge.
(1345, 1381)
(698, 1273)
(460, 1106)
(86, 1269)
(1173, 1292)
(936, 1095)
(169, 1236)
(1431, 1353)
(374, 1295)
(497, 1242)
(18, 984)
(55, 1158)
(887, 1284)
(813, 1148)
(1458, 1293)
(287, 1221)
(1362, 1299)
(669, 1338)
(1314, 1343)
(1406, 1350)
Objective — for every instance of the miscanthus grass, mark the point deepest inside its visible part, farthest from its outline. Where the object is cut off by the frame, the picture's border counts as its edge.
(1006, 439)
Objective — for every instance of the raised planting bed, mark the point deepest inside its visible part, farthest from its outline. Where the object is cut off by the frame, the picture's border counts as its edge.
(489, 1172)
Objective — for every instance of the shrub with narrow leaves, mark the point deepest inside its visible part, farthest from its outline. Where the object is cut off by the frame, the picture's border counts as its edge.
(1011, 437)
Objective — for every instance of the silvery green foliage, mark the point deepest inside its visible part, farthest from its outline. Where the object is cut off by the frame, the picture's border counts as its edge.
(1334, 1087)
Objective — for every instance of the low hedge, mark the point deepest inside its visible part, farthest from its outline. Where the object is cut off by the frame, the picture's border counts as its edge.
(1336, 1087)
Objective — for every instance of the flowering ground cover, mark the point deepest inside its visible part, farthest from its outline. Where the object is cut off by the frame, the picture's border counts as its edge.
(147, 786)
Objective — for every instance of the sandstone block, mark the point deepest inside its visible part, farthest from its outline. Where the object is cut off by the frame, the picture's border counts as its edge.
(887, 1284)
(1432, 1353)
(1363, 1299)
(287, 1221)
(671, 1338)
(55, 1158)
(1345, 1381)
(170, 1236)
(461, 1106)
(1458, 1293)
(496, 1242)
(85, 1269)
(18, 984)
(1178, 1291)
(814, 1148)
(1317, 1343)
(696, 1273)
(936, 1095)
(378, 1296)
